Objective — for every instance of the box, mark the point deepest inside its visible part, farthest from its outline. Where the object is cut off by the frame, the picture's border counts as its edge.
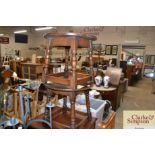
(96, 107)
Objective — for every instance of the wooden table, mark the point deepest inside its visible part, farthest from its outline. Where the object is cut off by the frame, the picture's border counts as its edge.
(66, 83)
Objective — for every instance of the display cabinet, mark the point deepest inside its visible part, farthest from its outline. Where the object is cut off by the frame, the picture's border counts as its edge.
(67, 83)
(31, 71)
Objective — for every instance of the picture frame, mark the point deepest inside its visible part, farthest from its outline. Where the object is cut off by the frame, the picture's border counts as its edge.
(114, 50)
(97, 47)
(108, 49)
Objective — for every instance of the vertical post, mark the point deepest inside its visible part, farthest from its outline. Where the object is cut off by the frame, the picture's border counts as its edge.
(88, 104)
(20, 89)
(119, 55)
(74, 63)
(143, 68)
(91, 61)
(66, 62)
(72, 100)
(28, 98)
(51, 116)
(47, 61)
(73, 80)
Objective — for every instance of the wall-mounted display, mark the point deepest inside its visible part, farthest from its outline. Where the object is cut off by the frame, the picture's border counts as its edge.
(4, 40)
(21, 38)
(108, 50)
(114, 50)
(97, 47)
(111, 49)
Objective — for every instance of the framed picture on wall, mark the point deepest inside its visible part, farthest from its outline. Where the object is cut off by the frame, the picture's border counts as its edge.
(108, 50)
(114, 50)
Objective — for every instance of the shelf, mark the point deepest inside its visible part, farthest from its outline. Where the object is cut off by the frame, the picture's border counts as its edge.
(59, 78)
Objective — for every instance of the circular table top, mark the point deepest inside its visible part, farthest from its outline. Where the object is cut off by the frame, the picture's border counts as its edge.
(102, 88)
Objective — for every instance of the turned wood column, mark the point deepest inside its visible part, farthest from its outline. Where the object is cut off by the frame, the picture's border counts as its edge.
(74, 63)
(88, 104)
(66, 71)
(47, 61)
(91, 61)
(72, 100)
(74, 80)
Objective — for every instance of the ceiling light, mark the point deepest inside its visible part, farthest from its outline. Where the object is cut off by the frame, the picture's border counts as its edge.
(20, 31)
(1, 34)
(43, 28)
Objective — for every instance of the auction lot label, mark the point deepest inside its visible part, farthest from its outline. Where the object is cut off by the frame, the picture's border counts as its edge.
(139, 119)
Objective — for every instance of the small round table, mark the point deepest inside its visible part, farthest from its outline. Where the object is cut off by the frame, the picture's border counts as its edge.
(102, 88)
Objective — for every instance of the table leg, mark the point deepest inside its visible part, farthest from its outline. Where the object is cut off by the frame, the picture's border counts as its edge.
(88, 104)
(72, 99)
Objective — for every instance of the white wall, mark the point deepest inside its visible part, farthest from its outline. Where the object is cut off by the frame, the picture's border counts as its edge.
(118, 35)
(23, 47)
(105, 35)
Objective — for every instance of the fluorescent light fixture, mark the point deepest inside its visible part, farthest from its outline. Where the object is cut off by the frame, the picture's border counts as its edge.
(20, 31)
(43, 28)
(1, 34)
(132, 41)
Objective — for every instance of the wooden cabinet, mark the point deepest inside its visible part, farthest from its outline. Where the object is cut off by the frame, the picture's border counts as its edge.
(31, 71)
(134, 73)
(130, 73)
(112, 97)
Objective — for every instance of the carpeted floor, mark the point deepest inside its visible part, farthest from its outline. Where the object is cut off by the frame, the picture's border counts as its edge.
(138, 97)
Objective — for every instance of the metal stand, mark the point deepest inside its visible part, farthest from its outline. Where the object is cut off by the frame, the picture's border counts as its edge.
(50, 106)
(25, 114)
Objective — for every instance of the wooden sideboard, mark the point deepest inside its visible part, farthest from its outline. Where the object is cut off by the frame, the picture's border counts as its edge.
(31, 71)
